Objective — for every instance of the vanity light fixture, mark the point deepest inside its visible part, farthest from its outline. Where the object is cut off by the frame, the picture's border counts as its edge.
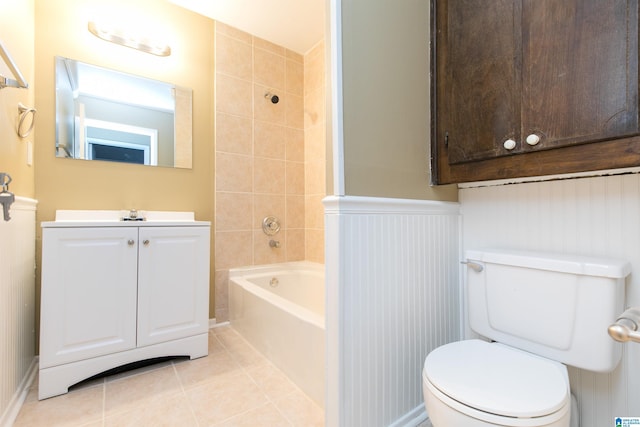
(121, 37)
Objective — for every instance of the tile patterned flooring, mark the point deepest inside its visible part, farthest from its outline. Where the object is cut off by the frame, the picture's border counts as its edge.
(233, 386)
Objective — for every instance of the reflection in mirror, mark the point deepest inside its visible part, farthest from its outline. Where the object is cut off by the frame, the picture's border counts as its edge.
(108, 115)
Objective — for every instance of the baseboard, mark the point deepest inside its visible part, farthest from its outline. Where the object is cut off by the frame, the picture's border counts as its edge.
(214, 324)
(10, 415)
(413, 418)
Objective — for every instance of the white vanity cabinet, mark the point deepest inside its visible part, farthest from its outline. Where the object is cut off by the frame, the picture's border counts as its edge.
(114, 293)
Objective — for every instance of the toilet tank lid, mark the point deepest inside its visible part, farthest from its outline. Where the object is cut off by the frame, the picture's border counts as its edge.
(564, 263)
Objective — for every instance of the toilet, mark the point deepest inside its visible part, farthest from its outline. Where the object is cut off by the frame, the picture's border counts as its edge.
(534, 313)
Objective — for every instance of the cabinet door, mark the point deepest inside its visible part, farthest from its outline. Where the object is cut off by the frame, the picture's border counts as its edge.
(88, 296)
(173, 283)
(580, 71)
(479, 83)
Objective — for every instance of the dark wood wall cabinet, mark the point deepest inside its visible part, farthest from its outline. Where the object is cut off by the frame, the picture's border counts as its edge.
(533, 87)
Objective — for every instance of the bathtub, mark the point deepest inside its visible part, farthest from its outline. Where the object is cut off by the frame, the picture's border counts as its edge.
(279, 309)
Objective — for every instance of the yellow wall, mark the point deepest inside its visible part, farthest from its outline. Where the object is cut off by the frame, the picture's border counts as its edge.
(16, 33)
(385, 65)
(61, 30)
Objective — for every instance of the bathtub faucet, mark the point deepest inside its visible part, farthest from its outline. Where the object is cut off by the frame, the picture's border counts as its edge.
(274, 243)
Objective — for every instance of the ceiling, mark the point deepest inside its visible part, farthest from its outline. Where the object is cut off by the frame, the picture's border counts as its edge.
(295, 24)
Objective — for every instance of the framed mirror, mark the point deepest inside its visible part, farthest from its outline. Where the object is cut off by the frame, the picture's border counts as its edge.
(108, 115)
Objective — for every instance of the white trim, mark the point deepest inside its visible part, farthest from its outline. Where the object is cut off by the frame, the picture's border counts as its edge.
(413, 418)
(151, 151)
(11, 413)
(587, 174)
(379, 205)
(24, 204)
(337, 134)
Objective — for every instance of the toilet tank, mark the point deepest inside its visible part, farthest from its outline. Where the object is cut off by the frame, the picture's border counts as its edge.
(555, 305)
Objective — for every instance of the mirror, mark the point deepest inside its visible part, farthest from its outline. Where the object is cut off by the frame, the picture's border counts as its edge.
(103, 114)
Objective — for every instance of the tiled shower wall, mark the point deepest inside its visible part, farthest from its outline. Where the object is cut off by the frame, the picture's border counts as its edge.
(263, 165)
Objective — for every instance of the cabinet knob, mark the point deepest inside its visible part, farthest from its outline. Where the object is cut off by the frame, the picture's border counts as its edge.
(509, 144)
(145, 242)
(130, 242)
(533, 139)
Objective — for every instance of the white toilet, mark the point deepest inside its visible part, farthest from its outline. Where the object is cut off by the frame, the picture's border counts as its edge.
(542, 311)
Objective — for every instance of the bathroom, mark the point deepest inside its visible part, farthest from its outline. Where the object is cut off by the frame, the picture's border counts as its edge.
(383, 157)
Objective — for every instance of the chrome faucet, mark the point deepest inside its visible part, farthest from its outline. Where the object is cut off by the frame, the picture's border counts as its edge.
(274, 243)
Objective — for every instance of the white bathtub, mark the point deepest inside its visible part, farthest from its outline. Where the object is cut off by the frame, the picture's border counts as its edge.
(279, 309)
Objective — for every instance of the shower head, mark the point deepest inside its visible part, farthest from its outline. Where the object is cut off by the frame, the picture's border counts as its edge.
(273, 97)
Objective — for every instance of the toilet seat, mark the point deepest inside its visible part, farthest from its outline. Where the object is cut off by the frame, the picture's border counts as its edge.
(477, 377)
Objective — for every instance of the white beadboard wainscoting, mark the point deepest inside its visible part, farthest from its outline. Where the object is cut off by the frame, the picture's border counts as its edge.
(392, 274)
(17, 302)
(591, 216)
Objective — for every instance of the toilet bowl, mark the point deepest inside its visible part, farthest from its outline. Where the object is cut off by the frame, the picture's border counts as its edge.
(494, 385)
(537, 313)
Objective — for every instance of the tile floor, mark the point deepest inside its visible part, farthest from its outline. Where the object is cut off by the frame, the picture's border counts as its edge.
(233, 386)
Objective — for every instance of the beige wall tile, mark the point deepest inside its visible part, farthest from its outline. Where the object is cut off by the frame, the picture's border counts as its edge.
(267, 45)
(294, 105)
(233, 57)
(269, 176)
(233, 249)
(314, 210)
(315, 177)
(294, 56)
(269, 140)
(314, 245)
(234, 134)
(222, 28)
(269, 205)
(234, 211)
(295, 77)
(269, 69)
(314, 107)
(295, 178)
(233, 96)
(315, 144)
(233, 172)
(295, 214)
(295, 142)
(313, 72)
(295, 245)
(222, 293)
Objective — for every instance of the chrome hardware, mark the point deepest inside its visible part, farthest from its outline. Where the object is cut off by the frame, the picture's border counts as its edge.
(509, 144)
(274, 243)
(130, 242)
(473, 265)
(626, 326)
(274, 282)
(270, 225)
(145, 242)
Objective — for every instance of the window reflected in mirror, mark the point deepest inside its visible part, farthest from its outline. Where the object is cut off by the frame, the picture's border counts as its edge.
(108, 115)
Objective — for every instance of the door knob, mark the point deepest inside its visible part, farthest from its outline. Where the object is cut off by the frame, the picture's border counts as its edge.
(509, 144)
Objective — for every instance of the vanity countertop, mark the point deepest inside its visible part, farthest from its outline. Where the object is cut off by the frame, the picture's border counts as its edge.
(114, 218)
